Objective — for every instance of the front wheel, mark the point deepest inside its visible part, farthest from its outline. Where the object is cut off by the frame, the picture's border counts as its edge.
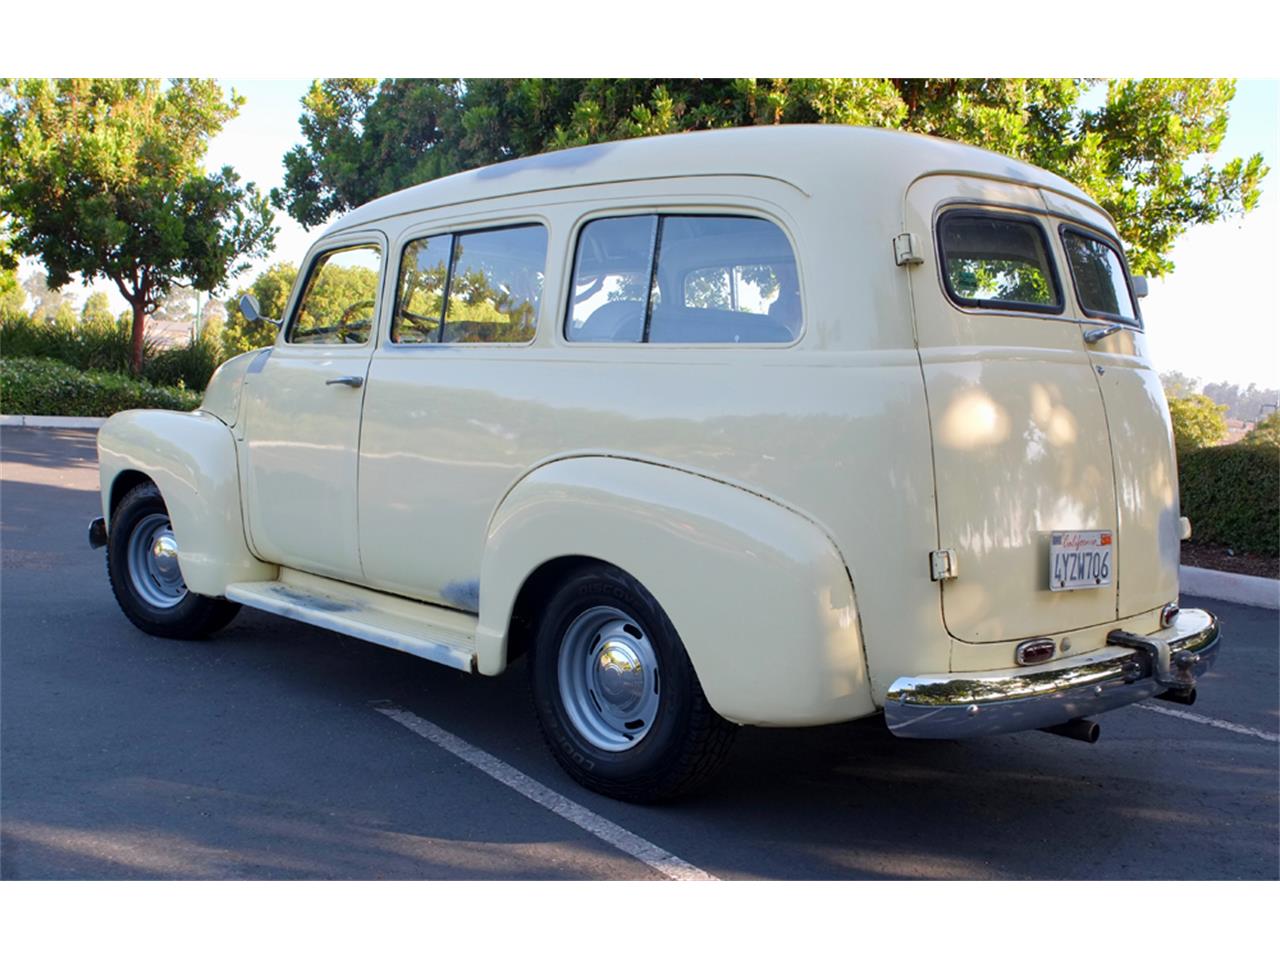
(142, 564)
(616, 695)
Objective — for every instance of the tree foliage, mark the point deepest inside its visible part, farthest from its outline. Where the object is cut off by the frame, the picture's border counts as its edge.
(1138, 150)
(1197, 422)
(103, 178)
(271, 288)
(1266, 432)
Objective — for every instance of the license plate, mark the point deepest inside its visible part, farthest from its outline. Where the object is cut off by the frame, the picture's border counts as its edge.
(1080, 559)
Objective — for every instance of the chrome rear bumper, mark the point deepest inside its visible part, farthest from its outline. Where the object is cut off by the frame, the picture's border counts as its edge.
(953, 706)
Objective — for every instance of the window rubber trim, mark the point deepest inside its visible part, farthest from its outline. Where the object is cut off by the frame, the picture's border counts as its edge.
(1016, 306)
(1136, 320)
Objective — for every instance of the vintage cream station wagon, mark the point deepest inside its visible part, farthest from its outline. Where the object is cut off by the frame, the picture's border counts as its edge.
(778, 426)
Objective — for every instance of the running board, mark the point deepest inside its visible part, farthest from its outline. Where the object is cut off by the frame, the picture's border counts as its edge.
(422, 629)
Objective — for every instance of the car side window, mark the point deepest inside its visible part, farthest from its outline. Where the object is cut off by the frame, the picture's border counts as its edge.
(424, 275)
(339, 302)
(1099, 277)
(684, 279)
(495, 285)
(479, 287)
(997, 260)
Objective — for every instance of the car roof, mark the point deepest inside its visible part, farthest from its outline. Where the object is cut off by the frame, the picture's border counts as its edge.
(806, 156)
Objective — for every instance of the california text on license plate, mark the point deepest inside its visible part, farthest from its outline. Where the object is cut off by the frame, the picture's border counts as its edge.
(1079, 559)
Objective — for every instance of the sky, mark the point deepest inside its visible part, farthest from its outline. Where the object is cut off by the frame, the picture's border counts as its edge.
(1216, 317)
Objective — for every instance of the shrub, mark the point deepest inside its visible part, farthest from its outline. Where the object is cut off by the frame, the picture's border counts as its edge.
(1232, 496)
(188, 366)
(92, 345)
(1197, 421)
(51, 388)
(1266, 431)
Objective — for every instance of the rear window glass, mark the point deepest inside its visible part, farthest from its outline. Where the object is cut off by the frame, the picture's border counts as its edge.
(997, 261)
(1099, 277)
(684, 279)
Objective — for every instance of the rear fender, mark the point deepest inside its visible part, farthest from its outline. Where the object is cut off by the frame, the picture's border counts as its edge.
(758, 593)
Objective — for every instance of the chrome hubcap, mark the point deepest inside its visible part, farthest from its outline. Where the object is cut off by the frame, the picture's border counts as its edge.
(152, 556)
(609, 682)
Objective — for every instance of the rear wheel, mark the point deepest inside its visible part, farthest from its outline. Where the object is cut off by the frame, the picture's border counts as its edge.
(142, 564)
(616, 695)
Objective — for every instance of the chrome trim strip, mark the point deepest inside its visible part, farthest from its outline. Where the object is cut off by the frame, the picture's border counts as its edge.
(960, 705)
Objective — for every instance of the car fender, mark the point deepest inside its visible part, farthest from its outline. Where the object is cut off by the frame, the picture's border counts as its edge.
(759, 594)
(191, 457)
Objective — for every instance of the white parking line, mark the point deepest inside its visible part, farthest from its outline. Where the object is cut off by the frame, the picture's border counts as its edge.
(619, 837)
(1209, 721)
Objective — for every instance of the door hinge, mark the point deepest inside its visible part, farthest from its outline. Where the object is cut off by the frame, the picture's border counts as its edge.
(906, 249)
(942, 565)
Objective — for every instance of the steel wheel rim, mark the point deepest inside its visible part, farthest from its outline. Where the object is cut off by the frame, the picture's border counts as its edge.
(609, 680)
(152, 558)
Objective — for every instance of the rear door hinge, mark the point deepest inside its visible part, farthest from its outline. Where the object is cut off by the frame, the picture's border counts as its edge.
(942, 565)
(906, 249)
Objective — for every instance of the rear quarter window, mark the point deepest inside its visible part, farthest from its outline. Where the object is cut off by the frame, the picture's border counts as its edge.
(998, 261)
(1099, 276)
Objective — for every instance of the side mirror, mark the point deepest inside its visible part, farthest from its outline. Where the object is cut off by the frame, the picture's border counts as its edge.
(252, 312)
(1140, 288)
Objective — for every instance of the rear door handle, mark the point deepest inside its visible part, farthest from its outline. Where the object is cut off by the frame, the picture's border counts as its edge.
(345, 381)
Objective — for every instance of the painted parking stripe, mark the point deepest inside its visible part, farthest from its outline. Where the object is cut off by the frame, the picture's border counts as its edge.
(1209, 721)
(618, 837)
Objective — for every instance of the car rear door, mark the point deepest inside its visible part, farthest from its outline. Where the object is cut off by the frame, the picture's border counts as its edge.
(1019, 430)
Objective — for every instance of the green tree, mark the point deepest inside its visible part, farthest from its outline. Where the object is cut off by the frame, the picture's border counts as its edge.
(1197, 422)
(1178, 384)
(271, 287)
(97, 311)
(13, 299)
(1129, 152)
(1266, 431)
(46, 302)
(103, 178)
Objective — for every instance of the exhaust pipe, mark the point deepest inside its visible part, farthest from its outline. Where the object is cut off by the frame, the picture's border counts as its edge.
(1077, 729)
(1174, 695)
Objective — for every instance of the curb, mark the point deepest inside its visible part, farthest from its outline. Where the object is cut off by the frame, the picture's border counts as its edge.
(1232, 587)
(29, 420)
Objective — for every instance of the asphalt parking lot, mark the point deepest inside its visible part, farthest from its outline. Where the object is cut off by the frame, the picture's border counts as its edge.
(276, 750)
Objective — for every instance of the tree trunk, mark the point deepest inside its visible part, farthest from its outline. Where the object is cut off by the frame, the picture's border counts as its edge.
(135, 346)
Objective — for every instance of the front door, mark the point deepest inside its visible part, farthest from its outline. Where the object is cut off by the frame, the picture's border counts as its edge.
(302, 416)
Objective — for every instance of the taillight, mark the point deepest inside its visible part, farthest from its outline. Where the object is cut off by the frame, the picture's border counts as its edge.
(1168, 614)
(1034, 651)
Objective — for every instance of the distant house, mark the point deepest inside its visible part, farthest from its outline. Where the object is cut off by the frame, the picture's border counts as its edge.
(169, 333)
(1236, 430)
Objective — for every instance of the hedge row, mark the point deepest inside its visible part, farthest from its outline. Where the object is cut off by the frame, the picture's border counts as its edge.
(103, 345)
(51, 388)
(1232, 495)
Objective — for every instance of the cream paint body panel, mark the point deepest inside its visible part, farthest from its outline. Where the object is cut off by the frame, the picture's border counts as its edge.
(759, 595)
(191, 457)
(1020, 439)
(1146, 473)
(300, 458)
